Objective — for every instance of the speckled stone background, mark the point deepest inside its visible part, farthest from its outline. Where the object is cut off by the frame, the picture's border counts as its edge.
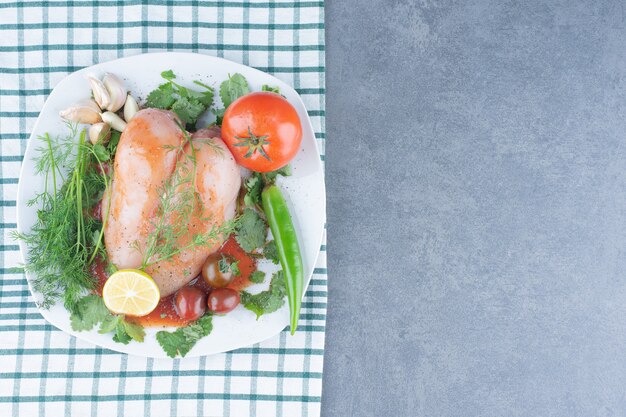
(476, 173)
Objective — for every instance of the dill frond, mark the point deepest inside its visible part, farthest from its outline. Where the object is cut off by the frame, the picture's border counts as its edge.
(65, 237)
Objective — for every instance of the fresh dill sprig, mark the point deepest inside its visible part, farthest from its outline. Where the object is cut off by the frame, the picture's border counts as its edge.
(65, 237)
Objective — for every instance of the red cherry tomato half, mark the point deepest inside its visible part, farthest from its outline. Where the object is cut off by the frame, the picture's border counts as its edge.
(190, 303)
(262, 130)
(223, 300)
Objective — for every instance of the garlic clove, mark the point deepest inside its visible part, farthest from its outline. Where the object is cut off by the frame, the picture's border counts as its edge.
(117, 91)
(100, 93)
(99, 132)
(130, 108)
(114, 121)
(85, 111)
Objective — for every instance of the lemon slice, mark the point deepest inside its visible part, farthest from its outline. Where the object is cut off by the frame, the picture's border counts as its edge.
(131, 292)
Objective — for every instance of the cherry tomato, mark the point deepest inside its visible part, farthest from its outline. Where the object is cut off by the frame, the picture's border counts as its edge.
(262, 130)
(212, 274)
(223, 300)
(190, 303)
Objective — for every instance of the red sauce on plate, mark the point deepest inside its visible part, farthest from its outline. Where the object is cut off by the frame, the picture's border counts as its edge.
(165, 313)
(98, 271)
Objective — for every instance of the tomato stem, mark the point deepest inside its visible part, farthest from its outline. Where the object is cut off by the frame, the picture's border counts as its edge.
(254, 143)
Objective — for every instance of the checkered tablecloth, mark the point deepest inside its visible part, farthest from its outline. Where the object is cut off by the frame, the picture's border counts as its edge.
(45, 372)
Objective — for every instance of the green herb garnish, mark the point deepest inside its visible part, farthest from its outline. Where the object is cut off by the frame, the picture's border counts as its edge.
(125, 331)
(162, 97)
(251, 230)
(113, 141)
(65, 240)
(188, 110)
(234, 87)
(257, 277)
(253, 186)
(234, 267)
(132, 330)
(90, 310)
(101, 152)
(230, 90)
(186, 103)
(270, 252)
(183, 339)
(255, 183)
(284, 171)
(225, 266)
(266, 87)
(267, 301)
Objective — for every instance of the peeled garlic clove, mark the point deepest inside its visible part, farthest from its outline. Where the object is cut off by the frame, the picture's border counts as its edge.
(99, 132)
(114, 121)
(100, 93)
(130, 108)
(117, 91)
(85, 111)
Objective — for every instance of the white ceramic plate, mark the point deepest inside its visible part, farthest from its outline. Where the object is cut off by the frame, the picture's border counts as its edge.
(304, 190)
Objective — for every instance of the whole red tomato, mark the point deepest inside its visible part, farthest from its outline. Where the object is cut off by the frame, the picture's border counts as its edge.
(262, 130)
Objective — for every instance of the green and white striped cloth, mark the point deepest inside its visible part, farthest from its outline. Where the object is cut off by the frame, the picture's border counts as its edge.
(45, 372)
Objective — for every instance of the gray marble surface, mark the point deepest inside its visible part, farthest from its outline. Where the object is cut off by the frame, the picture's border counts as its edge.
(476, 174)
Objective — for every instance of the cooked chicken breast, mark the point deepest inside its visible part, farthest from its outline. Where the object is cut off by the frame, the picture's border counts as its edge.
(217, 183)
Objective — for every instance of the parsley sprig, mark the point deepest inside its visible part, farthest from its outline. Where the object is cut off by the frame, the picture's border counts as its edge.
(183, 339)
(266, 301)
(251, 230)
(188, 104)
(270, 252)
(230, 90)
(91, 311)
(257, 277)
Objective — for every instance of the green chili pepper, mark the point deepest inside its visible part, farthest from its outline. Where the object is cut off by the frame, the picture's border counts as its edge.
(284, 233)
